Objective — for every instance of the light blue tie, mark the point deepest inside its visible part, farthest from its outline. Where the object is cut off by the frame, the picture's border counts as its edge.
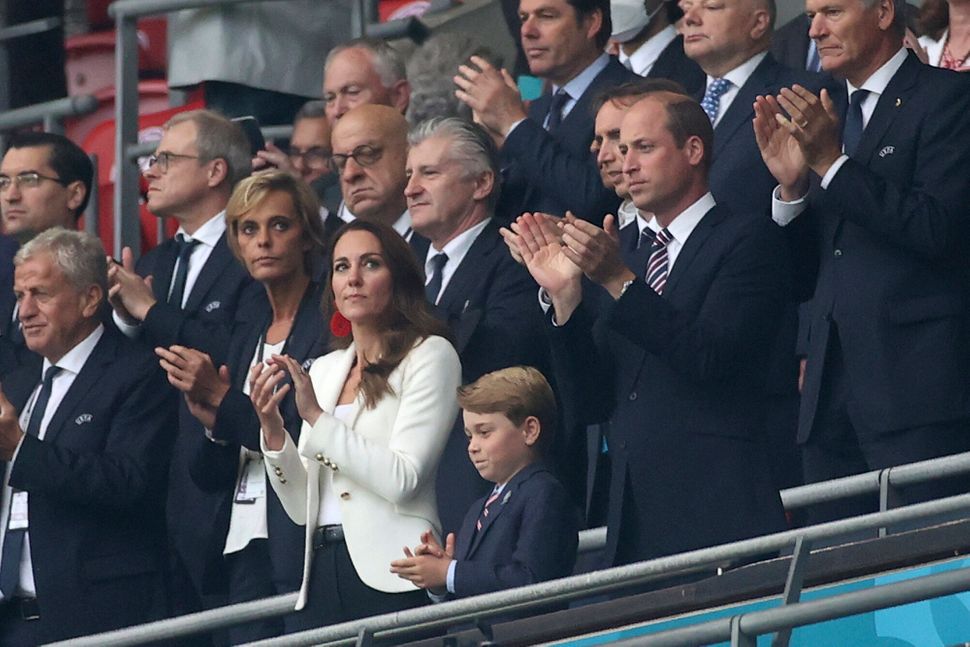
(712, 98)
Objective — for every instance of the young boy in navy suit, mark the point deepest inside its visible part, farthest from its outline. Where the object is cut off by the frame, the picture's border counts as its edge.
(525, 530)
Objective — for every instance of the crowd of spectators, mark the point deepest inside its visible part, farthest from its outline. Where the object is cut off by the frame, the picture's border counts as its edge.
(404, 358)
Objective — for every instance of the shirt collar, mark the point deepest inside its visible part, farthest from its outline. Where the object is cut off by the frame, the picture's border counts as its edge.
(210, 232)
(740, 75)
(684, 223)
(457, 247)
(877, 82)
(647, 54)
(403, 224)
(75, 358)
(579, 83)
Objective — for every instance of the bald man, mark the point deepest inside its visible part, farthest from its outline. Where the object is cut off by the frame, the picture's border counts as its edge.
(370, 151)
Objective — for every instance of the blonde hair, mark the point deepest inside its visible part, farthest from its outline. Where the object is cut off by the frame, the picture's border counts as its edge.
(517, 393)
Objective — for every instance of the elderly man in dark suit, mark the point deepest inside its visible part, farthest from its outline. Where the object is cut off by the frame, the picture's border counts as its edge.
(546, 165)
(677, 360)
(487, 299)
(85, 431)
(873, 192)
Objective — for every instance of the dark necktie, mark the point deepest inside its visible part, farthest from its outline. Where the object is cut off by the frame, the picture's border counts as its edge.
(183, 248)
(554, 118)
(647, 236)
(657, 265)
(486, 510)
(13, 541)
(852, 134)
(433, 287)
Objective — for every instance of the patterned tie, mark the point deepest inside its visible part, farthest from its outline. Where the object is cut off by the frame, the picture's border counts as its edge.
(433, 287)
(712, 98)
(852, 133)
(13, 541)
(657, 265)
(554, 116)
(482, 517)
(183, 247)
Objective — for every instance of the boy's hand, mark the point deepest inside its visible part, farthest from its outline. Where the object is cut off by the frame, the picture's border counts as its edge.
(427, 566)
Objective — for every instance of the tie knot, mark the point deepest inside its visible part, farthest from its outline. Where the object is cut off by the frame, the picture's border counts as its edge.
(858, 97)
(711, 102)
(718, 87)
(438, 261)
(647, 236)
(50, 374)
(184, 245)
(559, 99)
(663, 238)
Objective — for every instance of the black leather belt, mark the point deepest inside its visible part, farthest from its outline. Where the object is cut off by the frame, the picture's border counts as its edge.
(25, 609)
(326, 535)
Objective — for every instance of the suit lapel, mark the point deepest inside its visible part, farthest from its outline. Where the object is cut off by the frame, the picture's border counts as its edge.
(162, 272)
(211, 271)
(693, 245)
(507, 494)
(89, 377)
(470, 272)
(895, 96)
(307, 328)
(740, 113)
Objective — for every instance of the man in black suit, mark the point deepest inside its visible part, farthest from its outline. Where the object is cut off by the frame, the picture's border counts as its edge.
(190, 300)
(677, 360)
(45, 181)
(546, 165)
(791, 45)
(85, 431)
(649, 44)
(487, 299)
(874, 193)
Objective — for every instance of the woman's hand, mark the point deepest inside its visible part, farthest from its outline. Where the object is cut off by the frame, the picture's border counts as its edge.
(266, 399)
(193, 373)
(306, 399)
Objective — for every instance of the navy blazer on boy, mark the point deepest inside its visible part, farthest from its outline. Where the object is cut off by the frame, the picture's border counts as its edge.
(681, 379)
(529, 536)
(97, 485)
(553, 172)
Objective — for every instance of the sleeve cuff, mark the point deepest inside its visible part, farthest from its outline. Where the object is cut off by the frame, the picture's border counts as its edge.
(450, 580)
(784, 212)
(830, 174)
(129, 330)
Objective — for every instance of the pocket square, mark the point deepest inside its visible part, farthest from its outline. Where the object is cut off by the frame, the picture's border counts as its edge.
(215, 305)
(887, 150)
(83, 418)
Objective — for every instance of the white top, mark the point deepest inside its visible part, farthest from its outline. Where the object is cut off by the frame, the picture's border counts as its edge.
(329, 514)
(456, 249)
(643, 59)
(682, 226)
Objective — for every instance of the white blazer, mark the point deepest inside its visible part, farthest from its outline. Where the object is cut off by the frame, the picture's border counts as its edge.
(934, 48)
(383, 464)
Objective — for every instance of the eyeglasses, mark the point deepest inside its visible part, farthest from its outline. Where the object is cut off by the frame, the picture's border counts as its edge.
(27, 180)
(316, 156)
(363, 155)
(164, 159)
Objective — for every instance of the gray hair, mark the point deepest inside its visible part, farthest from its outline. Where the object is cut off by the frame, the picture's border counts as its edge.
(470, 144)
(77, 254)
(430, 70)
(314, 109)
(219, 138)
(901, 11)
(388, 63)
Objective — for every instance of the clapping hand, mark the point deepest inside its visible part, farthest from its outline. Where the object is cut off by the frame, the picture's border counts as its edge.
(193, 373)
(427, 566)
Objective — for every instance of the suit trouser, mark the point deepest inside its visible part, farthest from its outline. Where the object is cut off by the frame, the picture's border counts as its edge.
(839, 447)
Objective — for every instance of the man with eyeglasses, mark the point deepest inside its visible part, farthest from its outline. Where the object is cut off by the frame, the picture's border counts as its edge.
(190, 300)
(45, 181)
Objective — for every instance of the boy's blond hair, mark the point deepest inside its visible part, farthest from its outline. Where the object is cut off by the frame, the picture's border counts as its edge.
(517, 393)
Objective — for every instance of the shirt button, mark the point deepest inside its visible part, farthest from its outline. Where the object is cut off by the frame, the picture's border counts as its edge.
(345, 495)
(320, 458)
(282, 480)
(277, 470)
(633, 396)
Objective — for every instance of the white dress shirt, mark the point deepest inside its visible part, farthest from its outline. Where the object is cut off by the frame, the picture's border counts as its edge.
(643, 59)
(456, 249)
(738, 77)
(402, 225)
(70, 365)
(784, 212)
(682, 226)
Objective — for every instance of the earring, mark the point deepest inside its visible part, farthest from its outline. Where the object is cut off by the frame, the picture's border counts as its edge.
(339, 325)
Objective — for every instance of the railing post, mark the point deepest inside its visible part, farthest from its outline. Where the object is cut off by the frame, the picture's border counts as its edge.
(793, 584)
(738, 637)
(889, 496)
(127, 225)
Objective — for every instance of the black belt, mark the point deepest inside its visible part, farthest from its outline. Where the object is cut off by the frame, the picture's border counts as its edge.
(326, 535)
(25, 609)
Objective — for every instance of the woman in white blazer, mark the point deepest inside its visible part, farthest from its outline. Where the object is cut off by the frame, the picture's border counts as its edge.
(376, 415)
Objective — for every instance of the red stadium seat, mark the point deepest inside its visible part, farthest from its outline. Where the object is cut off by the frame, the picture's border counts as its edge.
(89, 65)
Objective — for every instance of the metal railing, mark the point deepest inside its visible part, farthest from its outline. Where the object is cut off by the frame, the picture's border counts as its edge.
(49, 113)
(396, 625)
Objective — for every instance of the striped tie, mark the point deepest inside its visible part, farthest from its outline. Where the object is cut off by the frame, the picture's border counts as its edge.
(484, 515)
(657, 265)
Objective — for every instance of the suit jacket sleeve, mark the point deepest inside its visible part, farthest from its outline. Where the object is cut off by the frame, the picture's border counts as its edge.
(555, 171)
(167, 325)
(425, 416)
(132, 464)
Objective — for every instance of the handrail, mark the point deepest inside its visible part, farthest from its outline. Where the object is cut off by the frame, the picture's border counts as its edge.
(522, 598)
(56, 109)
(142, 149)
(29, 28)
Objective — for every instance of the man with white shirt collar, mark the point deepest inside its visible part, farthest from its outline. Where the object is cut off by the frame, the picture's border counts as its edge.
(873, 191)
(85, 434)
(649, 44)
(486, 298)
(191, 299)
(545, 149)
(676, 362)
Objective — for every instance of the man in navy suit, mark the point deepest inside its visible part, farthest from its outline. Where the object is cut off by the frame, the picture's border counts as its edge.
(677, 360)
(487, 299)
(873, 192)
(546, 165)
(85, 431)
(190, 300)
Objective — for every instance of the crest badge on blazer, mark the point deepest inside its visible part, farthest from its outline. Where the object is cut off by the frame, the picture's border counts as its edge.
(215, 305)
(887, 151)
(83, 418)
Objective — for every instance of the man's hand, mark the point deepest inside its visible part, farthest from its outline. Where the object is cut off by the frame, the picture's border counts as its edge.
(10, 431)
(597, 252)
(193, 373)
(271, 157)
(779, 149)
(492, 95)
(544, 254)
(129, 294)
(427, 566)
(266, 399)
(814, 124)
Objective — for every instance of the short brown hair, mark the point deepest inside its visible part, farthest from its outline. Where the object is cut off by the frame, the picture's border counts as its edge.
(686, 119)
(516, 392)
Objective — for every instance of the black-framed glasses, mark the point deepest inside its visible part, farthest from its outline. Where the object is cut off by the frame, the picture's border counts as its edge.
(316, 156)
(364, 155)
(164, 159)
(28, 180)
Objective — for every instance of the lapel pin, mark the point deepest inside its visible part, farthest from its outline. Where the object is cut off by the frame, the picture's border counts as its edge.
(899, 102)
(506, 498)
